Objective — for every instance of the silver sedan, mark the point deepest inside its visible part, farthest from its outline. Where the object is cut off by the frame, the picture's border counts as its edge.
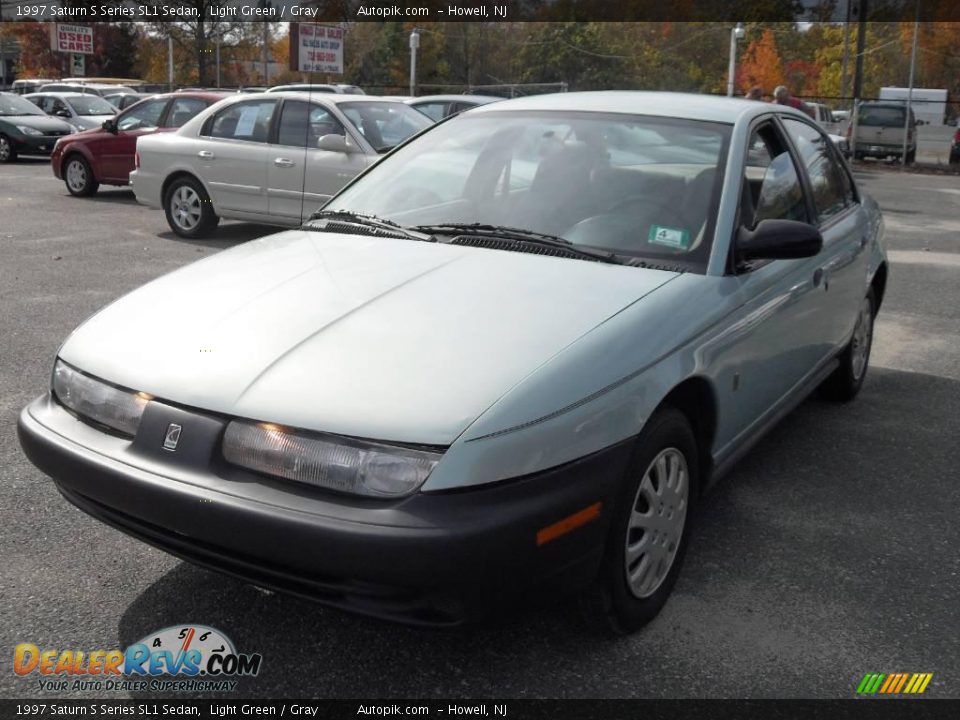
(269, 158)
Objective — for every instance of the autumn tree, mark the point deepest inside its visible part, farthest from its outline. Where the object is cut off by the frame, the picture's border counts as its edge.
(760, 65)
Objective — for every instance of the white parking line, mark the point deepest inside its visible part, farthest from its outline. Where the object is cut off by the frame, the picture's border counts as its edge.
(922, 257)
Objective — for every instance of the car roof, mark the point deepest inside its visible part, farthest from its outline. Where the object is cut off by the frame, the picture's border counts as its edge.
(710, 108)
(62, 94)
(336, 98)
(479, 99)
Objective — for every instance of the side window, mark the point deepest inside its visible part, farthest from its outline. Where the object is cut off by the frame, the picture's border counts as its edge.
(831, 194)
(435, 111)
(183, 110)
(143, 117)
(771, 184)
(302, 124)
(248, 121)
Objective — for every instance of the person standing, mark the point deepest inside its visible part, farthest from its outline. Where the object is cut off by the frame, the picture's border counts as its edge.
(754, 93)
(782, 96)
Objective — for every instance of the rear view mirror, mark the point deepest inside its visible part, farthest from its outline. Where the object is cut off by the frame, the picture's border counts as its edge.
(777, 240)
(334, 143)
(110, 125)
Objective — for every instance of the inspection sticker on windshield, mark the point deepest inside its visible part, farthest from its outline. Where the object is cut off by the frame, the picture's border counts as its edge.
(671, 237)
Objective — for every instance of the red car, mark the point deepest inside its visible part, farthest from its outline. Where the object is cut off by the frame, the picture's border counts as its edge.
(105, 155)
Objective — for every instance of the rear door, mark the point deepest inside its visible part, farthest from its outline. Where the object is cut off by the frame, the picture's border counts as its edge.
(116, 151)
(231, 155)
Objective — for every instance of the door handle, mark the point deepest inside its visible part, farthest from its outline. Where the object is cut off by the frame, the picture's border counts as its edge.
(206, 155)
(817, 277)
(283, 162)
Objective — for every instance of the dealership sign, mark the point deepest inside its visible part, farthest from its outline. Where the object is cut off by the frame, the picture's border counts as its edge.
(71, 39)
(316, 48)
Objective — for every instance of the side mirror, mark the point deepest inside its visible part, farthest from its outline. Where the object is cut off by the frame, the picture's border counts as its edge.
(110, 125)
(777, 240)
(335, 143)
(62, 113)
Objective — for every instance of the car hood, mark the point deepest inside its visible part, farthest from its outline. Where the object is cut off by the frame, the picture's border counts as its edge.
(44, 123)
(380, 338)
(90, 122)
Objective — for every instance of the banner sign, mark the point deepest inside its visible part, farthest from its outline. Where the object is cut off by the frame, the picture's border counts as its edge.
(71, 39)
(316, 48)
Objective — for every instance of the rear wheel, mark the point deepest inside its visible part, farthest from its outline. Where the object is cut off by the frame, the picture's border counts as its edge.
(189, 211)
(845, 382)
(650, 528)
(7, 153)
(78, 176)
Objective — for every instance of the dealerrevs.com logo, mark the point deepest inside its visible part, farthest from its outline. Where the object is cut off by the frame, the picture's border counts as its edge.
(181, 658)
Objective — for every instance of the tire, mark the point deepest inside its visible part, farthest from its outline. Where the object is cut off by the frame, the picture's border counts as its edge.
(954, 156)
(614, 604)
(845, 382)
(7, 152)
(189, 211)
(78, 176)
(911, 157)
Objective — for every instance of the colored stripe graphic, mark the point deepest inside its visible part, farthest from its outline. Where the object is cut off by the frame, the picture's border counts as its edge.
(894, 683)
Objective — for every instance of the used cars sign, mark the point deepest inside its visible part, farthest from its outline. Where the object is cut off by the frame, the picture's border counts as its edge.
(72, 39)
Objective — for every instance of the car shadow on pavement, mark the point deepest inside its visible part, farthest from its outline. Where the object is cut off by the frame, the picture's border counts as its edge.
(117, 195)
(788, 541)
(226, 233)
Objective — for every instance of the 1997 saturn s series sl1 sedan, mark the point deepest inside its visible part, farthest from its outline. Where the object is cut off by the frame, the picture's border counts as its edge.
(510, 356)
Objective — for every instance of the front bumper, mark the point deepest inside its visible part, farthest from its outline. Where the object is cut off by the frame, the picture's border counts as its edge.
(35, 144)
(431, 558)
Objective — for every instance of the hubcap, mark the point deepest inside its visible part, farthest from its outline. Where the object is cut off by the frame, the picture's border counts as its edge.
(862, 337)
(76, 175)
(185, 207)
(656, 522)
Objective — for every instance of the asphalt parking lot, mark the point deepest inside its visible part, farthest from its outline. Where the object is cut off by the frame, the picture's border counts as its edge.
(830, 551)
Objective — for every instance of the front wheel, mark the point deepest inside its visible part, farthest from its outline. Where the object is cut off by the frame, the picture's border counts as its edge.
(845, 382)
(78, 177)
(7, 152)
(650, 528)
(189, 211)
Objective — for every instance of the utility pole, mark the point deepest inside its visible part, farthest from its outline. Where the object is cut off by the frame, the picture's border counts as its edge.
(265, 50)
(913, 65)
(846, 56)
(861, 15)
(170, 61)
(3, 53)
(736, 33)
(414, 44)
(219, 38)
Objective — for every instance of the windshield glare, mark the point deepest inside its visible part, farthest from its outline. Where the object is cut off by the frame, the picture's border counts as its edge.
(91, 105)
(384, 124)
(635, 185)
(13, 105)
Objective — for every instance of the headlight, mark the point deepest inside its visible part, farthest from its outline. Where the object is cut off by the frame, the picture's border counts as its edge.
(342, 464)
(97, 401)
(28, 130)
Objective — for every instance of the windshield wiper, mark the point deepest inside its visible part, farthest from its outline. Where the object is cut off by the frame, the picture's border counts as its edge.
(334, 220)
(519, 235)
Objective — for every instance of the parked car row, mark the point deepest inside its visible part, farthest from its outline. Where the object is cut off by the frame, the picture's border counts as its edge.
(509, 357)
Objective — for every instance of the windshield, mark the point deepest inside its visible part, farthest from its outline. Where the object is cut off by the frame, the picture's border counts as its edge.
(13, 105)
(384, 124)
(637, 186)
(90, 105)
